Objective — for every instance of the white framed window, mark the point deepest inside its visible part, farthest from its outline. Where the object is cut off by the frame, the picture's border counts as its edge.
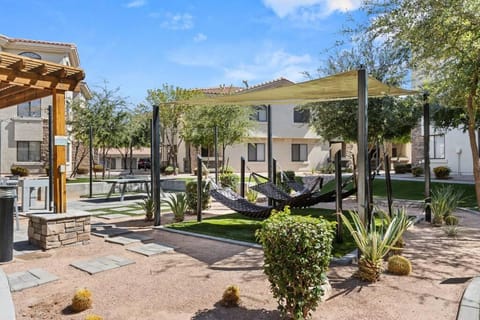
(437, 146)
(301, 115)
(299, 152)
(28, 151)
(30, 109)
(256, 152)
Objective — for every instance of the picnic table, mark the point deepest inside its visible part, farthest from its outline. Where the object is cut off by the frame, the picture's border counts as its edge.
(122, 184)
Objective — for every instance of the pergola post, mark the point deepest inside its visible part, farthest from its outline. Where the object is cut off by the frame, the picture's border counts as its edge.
(59, 153)
(363, 172)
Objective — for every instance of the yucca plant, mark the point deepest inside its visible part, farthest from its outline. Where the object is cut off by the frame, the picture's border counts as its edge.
(178, 205)
(445, 199)
(374, 242)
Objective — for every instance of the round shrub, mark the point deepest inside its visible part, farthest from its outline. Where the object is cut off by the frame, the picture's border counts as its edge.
(297, 253)
(191, 193)
(402, 167)
(19, 171)
(98, 168)
(451, 220)
(229, 180)
(82, 170)
(82, 300)
(169, 170)
(417, 171)
(441, 172)
(224, 170)
(231, 296)
(399, 265)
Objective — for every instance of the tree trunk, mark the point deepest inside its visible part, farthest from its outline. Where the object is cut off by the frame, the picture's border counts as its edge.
(473, 143)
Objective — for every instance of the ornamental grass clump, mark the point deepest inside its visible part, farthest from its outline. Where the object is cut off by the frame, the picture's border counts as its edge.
(178, 205)
(297, 253)
(375, 242)
(445, 199)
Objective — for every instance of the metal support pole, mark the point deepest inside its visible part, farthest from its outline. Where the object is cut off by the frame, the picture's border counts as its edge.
(338, 189)
(242, 177)
(50, 158)
(426, 155)
(363, 172)
(156, 164)
(199, 188)
(388, 182)
(215, 136)
(274, 171)
(269, 147)
(90, 143)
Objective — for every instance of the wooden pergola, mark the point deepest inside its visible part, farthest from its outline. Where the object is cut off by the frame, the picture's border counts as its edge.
(23, 79)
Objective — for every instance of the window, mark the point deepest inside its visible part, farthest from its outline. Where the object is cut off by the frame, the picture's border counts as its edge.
(29, 109)
(29, 54)
(301, 115)
(437, 146)
(299, 152)
(256, 152)
(28, 151)
(260, 114)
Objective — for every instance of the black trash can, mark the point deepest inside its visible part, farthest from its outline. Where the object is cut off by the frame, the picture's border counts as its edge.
(7, 195)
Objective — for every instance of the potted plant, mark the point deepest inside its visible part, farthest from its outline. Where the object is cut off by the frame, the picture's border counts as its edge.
(149, 206)
(374, 244)
(178, 205)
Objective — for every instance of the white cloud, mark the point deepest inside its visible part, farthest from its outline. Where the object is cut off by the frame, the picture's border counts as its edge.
(199, 37)
(310, 9)
(178, 21)
(136, 3)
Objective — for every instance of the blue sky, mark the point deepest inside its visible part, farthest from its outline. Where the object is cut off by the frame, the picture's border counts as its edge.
(137, 45)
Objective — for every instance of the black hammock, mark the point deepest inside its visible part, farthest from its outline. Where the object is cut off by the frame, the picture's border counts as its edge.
(234, 201)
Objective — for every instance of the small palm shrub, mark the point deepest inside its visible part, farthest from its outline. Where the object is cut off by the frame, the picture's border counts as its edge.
(231, 296)
(82, 300)
(399, 265)
(297, 253)
(191, 194)
(178, 205)
(441, 172)
(229, 180)
(148, 205)
(374, 242)
(19, 171)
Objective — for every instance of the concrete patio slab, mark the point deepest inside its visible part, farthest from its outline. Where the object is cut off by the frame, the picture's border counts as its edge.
(120, 209)
(129, 238)
(151, 249)
(110, 232)
(23, 280)
(101, 264)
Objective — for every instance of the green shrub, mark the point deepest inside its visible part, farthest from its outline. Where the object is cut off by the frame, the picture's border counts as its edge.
(417, 171)
(297, 251)
(98, 168)
(441, 172)
(178, 205)
(226, 169)
(402, 167)
(169, 170)
(19, 171)
(82, 170)
(191, 193)
(451, 220)
(229, 180)
(282, 179)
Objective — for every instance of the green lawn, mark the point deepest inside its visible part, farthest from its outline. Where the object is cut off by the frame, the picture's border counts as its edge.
(238, 227)
(414, 190)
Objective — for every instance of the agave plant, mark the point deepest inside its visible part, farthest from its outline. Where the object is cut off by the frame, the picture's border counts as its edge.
(178, 205)
(445, 199)
(374, 242)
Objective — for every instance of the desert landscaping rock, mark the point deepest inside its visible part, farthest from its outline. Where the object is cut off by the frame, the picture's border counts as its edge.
(151, 249)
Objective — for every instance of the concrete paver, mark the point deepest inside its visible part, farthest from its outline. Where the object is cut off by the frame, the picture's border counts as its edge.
(112, 216)
(27, 279)
(129, 238)
(101, 264)
(151, 249)
(110, 232)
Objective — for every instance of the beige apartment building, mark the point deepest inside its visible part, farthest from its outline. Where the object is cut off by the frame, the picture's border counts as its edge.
(24, 127)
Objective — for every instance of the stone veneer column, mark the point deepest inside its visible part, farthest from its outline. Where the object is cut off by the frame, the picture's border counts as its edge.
(50, 231)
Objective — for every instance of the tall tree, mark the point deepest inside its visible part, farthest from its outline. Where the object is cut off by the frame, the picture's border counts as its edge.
(170, 117)
(443, 41)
